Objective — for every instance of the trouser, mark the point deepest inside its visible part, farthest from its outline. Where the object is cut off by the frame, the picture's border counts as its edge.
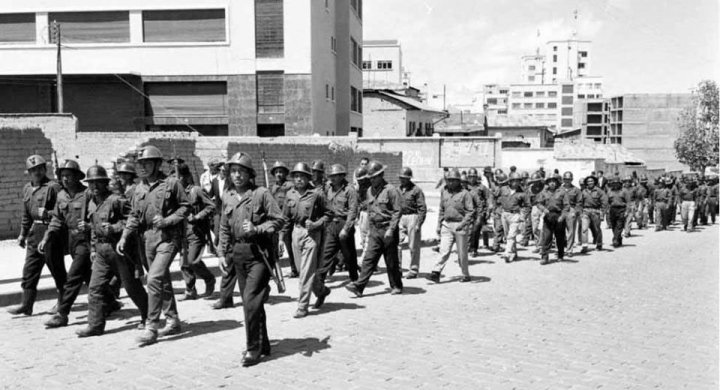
(687, 212)
(77, 274)
(476, 232)
(306, 245)
(108, 263)
(161, 297)
(253, 278)
(712, 208)
(699, 213)
(661, 215)
(287, 242)
(498, 226)
(34, 260)
(511, 227)
(448, 237)
(553, 227)
(334, 244)
(672, 211)
(536, 221)
(591, 219)
(629, 217)
(572, 220)
(410, 228)
(616, 220)
(642, 213)
(363, 224)
(227, 285)
(216, 228)
(651, 211)
(526, 229)
(377, 246)
(195, 267)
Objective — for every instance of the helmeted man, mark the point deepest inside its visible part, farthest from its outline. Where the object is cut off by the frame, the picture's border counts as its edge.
(700, 202)
(107, 215)
(318, 175)
(511, 217)
(594, 203)
(618, 200)
(412, 217)
(572, 218)
(687, 196)
(279, 191)
(481, 195)
(39, 199)
(158, 211)
(250, 217)
(498, 194)
(535, 187)
(455, 219)
(712, 198)
(662, 196)
(384, 204)
(629, 187)
(642, 191)
(554, 205)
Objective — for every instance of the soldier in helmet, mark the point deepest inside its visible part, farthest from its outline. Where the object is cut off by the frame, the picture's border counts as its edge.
(555, 205)
(594, 204)
(661, 198)
(384, 208)
(618, 199)
(481, 195)
(107, 215)
(250, 217)
(279, 191)
(412, 217)
(629, 187)
(318, 174)
(687, 196)
(700, 203)
(363, 223)
(39, 199)
(159, 208)
(512, 205)
(499, 193)
(712, 198)
(304, 211)
(536, 186)
(135, 252)
(642, 193)
(572, 218)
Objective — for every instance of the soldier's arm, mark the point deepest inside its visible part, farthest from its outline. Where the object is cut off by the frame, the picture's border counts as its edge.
(321, 205)
(422, 207)
(353, 209)
(183, 205)
(441, 211)
(469, 205)
(286, 218)
(26, 221)
(57, 221)
(121, 208)
(273, 217)
(207, 206)
(224, 234)
(396, 200)
(132, 223)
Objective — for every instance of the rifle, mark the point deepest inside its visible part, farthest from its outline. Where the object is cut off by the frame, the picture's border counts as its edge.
(275, 272)
(57, 166)
(208, 237)
(265, 169)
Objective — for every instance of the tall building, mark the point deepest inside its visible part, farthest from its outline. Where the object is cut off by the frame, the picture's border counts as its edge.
(221, 67)
(382, 64)
(591, 116)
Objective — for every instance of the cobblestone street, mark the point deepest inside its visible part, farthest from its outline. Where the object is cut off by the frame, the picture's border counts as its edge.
(643, 316)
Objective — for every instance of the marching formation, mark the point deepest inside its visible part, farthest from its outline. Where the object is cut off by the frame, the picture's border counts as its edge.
(126, 228)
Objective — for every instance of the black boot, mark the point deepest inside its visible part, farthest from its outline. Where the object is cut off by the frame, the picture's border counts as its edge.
(26, 307)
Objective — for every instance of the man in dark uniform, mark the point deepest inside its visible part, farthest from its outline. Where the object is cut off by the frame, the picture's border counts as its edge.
(279, 191)
(629, 187)
(107, 215)
(572, 218)
(700, 202)
(687, 196)
(412, 217)
(535, 187)
(712, 198)
(642, 193)
(39, 198)
(384, 207)
(135, 251)
(511, 217)
(594, 203)
(158, 210)
(250, 217)
(554, 205)
(197, 231)
(218, 187)
(661, 197)
(618, 199)
(498, 194)
(318, 174)
(481, 194)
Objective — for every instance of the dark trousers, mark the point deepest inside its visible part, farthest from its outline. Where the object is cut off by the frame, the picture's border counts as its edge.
(712, 208)
(287, 240)
(499, 231)
(161, 297)
(379, 246)
(34, 260)
(106, 264)
(77, 274)
(552, 227)
(335, 244)
(616, 218)
(475, 233)
(253, 278)
(195, 267)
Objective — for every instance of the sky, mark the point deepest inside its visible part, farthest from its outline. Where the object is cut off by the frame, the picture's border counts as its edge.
(638, 46)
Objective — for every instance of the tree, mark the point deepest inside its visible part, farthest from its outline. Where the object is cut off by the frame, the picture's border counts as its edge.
(698, 144)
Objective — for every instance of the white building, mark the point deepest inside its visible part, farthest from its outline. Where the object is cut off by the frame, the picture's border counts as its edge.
(382, 64)
(237, 67)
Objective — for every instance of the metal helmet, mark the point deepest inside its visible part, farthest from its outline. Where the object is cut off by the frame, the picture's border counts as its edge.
(472, 172)
(498, 171)
(318, 165)
(668, 181)
(525, 175)
(149, 153)
(567, 175)
(361, 173)
(279, 165)
(97, 172)
(303, 168)
(406, 173)
(614, 180)
(556, 177)
(375, 168)
(487, 170)
(126, 168)
(643, 179)
(337, 169)
(71, 165)
(242, 160)
(453, 174)
(534, 178)
(464, 178)
(34, 161)
(501, 178)
(591, 177)
(627, 178)
(514, 176)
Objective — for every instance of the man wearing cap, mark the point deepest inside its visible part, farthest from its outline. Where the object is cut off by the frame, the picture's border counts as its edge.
(618, 199)
(107, 215)
(499, 193)
(279, 191)
(250, 217)
(158, 211)
(481, 195)
(554, 205)
(135, 251)
(661, 197)
(511, 216)
(384, 208)
(39, 199)
(412, 217)
(594, 204)
(572, 218)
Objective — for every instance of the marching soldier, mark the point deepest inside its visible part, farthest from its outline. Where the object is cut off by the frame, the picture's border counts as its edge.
(536, 223)
(481, 194)
(512, 205)
(572, 218)
(279, 191)
(412, 217)
(499, 193)
(318, 175)
(554, 204)
(455, 218)
(158, 210)
(628, 186)
(197, 232)
(39, 198)
(250, 217)
(594, 203)
(384, 207)
(363, 223)
(662, 197)
(618, 200)
(525, 229)
(702, 192)
(107, 214)
(135, 251)
(712, 198)
(642, 192)
(687, 196)
(304, 210)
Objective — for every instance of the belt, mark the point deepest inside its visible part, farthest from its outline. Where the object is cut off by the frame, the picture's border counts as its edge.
(104, 240)
(383, 224)
(511, 212)
(40, 221)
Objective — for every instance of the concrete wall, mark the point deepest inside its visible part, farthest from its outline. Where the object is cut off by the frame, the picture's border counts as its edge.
(383, 119)
(300, 107)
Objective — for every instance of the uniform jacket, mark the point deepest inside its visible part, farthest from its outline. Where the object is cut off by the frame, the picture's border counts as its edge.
(414, 201)
(384, 204)
(165, 198)
(38, 204)
(113, 210)
(456, 206)
(255, 205)
(69, 211)
(342, 204)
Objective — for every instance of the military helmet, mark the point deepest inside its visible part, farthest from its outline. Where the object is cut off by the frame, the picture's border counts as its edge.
(375, 168)
(71, 165)
(337, 169)
(487, 169)
(361, 173)
(643, 179)
(242, 160)
(668, 181)
(525, 175)
(627, 178)
(501, 178)
(127, 167)
(406, 173)
(97, 172)
(498, 171)
(472, 172)
(318, 165)
(149, 152)
(556, 177)
(567, 175)
(464, 178)
(534, 178)
(453, 174)
(514, 176)
(34, 161)
(279, 165)
(614, 180)
(303, 168)
(594, 179)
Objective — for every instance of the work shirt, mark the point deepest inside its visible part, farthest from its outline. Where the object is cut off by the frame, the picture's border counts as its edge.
(38, 203)
(620, 198)
(309, 206)
(553, 201)
(255, 205)
(279, 192)
(663, 195)
(165, 198)
(531, 195)
(574, 195)
(713, 191)
(413, 201)
(342, 204)
(456, 206)
(514, 201)
(113, 210)
(69, 211)
(202, 209)
(498, 195)
(594, 199)
(687, 194)
(384, 204)
(482, 197)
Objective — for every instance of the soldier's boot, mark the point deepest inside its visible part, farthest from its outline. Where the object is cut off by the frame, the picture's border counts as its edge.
(223, 304)
(56, 321)
(434, 277)
(172, 327)
(89, 332)
(111, 307)
(209, 287)
(584, 248)
(190, 295)
(26, 307)
(545, 260)
(148, 336)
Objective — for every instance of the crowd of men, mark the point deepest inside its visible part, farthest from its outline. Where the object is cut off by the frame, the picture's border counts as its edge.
(125, 229)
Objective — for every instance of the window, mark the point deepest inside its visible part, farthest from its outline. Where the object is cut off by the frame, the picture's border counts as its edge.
(269, 31)
(270, 92)
(355, 99)
(567, 100)
(540, 94)
(531, 68)
(492, 101)
(327, 92)
(357, 6)
(516, 106)
(92, 27)
(503, 91)
(528, 94)
(598, 85)
(410, 129)
(554, 57)
(583, 54)
(565, 122)
(539, 105)
(186, 99)
(581, 96)
(552, 93)
(552, 105)
(332, 44)
(355, 55)
(332, 93)
(384, 64)
(567, 88)
(554, 70)
(554, 48)
(581, 65)
(566, 111)
(531, 78)
(367, 65)
(527, 106)
(197, 25)
(516, 94)
(17, 28)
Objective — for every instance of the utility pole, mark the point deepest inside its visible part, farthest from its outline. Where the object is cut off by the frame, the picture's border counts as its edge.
(444, 93)
(59, 83)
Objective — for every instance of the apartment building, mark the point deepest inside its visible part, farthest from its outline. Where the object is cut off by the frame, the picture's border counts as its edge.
(382, 64)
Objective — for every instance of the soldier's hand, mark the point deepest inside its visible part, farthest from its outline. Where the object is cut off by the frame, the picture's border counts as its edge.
(120, 248)
(82, 226)
(224, 265)
(191, 218)
(158, 222)
(93, 256)
(343, 233)
(41, 246)
(21, 241)
(460, 228)
(248, 227)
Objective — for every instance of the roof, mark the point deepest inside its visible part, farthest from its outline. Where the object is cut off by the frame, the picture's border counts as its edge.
(407, 103)
(569, 133)
(514, 120)
(465, 129)
(380, 42)
(611, 153)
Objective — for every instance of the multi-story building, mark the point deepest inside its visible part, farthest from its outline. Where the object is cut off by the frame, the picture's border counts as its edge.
(237, 67)
(591, 117)
(532, 69)
(567, 60)
(382, 64)
(495, 99)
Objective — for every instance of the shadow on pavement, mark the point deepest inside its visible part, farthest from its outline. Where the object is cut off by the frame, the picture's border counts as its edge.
(306, 347)
(194, 329)
(335, 306)
(275, 299)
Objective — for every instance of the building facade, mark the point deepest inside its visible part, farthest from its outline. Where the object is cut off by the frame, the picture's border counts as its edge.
(220, 67)
(592, 119)
(382, 64)
(389, 114)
